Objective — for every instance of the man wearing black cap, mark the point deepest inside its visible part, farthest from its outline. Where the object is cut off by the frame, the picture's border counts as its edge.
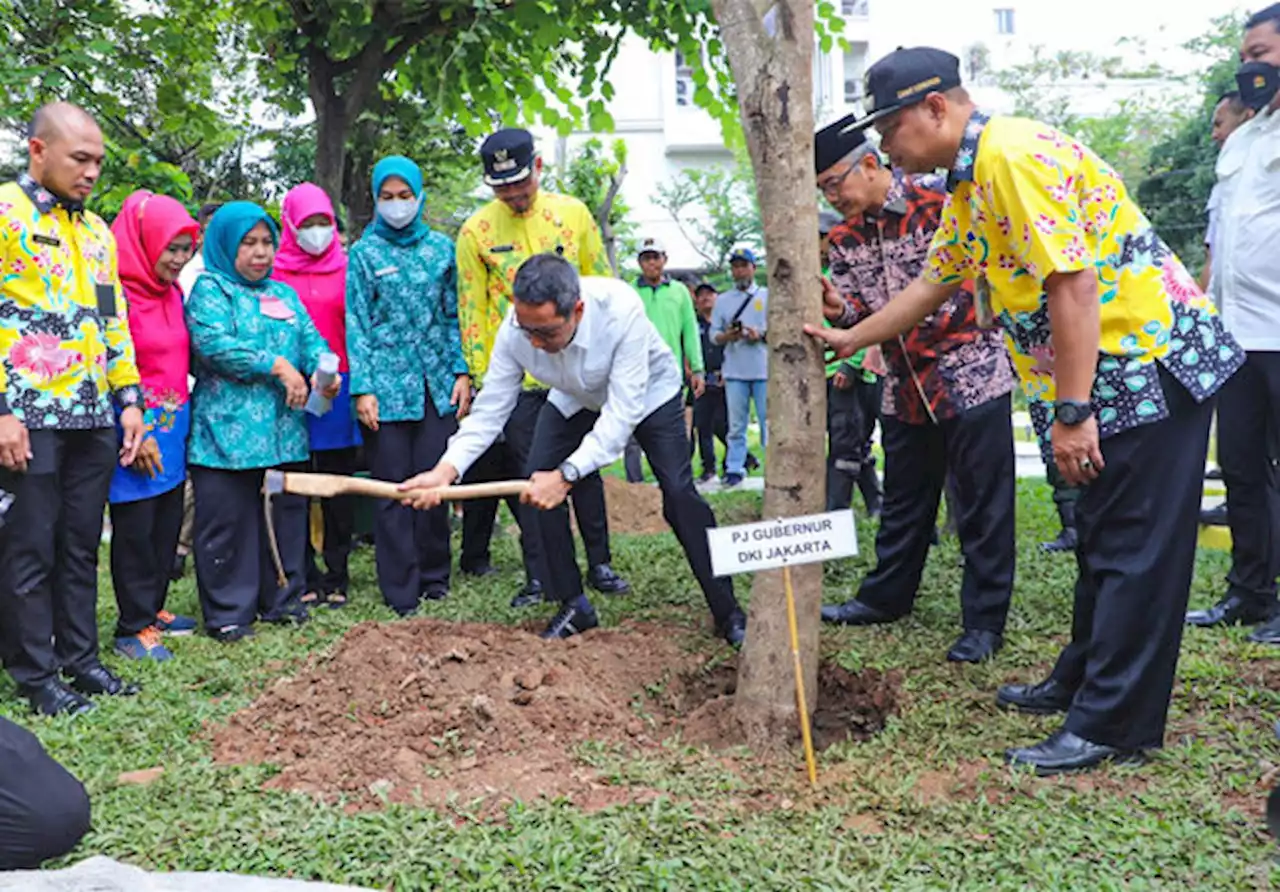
(1116, 346)
(1246, 283)
(521, 221)
(947, 408)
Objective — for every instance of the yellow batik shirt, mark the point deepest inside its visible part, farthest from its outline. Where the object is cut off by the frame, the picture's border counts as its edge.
(493, 244)
(64, 337)
(1028, 201)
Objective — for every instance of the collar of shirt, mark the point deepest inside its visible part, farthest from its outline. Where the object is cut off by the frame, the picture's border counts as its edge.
(44, 200)
(642, 282)
(895, 200)
(750, 289)
(967, 157)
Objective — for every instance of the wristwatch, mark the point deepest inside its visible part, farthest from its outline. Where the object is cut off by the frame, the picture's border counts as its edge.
(1072, 412)
(569, 473)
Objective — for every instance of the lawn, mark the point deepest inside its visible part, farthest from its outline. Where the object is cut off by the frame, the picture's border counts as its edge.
(927, 804)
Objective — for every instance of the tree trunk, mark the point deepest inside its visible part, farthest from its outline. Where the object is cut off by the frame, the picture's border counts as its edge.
(607, 235)
(770, 46)
(331, 140)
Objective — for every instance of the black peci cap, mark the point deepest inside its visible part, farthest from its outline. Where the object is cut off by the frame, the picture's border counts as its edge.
(508, 156)
(1258, 83)
(905, 77)
(834, 141)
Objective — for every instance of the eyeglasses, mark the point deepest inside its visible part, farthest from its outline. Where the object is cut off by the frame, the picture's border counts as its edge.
(832, 186)
(541, 332)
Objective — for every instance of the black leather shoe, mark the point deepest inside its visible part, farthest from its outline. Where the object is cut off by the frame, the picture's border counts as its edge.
(1066, 541)
(734, 629)
(480, 571)
(231, 634)
(1045, 698)
(1065, 751)
(1230, 611)
(531, 594)
(293, 616)
(854, 613)
(570, 621)
(435, 593)
(101, 680)
(1213, 474)
(54, 698)
(1215, 516)
(1267, 633)
(604, 580)
(975, 645)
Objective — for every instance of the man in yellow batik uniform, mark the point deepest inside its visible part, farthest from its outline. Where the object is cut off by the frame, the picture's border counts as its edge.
(1120, 355)
(521, 221)
(66, 369)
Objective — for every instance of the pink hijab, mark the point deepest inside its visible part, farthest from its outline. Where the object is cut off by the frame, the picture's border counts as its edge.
(321, 281)
(145, 227)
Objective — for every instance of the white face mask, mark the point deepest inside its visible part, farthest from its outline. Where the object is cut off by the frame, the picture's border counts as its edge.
(315, 240)
(399, 212)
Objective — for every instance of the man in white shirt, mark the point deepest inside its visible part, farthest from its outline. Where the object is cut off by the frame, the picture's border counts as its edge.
(1246, 286)
(612, 377)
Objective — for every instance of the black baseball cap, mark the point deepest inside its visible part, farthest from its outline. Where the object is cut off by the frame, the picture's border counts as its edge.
(508, 156)
(834, 141)
(1258, 83)
(904, 78)
(704, 286)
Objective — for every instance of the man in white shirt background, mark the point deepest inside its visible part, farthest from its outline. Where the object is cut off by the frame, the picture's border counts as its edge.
(740, 322)
(1246, 285)
(612, 377)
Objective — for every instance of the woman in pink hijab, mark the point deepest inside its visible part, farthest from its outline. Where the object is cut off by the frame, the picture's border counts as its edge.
(155, 237)
(312, 262)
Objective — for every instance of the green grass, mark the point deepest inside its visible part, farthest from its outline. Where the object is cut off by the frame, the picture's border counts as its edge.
(925, 805)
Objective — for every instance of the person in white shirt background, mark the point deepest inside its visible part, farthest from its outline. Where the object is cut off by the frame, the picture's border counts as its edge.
(1245, 282)
(611, 376)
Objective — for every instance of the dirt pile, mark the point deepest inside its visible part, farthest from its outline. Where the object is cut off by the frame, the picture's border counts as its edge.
(634, 507)
(427, 712)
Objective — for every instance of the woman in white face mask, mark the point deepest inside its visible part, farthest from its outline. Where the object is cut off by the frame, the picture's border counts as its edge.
(408, 374)
(312, 262)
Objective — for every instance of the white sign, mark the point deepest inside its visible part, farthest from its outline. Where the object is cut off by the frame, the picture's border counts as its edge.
(788, 540)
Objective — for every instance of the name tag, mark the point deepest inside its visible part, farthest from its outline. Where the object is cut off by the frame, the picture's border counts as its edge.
(502, 249)
(386, 271)
(106, 296)
(49, 240)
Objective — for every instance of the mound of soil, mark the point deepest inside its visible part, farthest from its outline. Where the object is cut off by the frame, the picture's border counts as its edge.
(430, 712)
(634, 507)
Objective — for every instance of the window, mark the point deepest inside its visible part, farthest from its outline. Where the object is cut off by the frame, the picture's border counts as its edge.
(855, 67)
(1004, 21)
(684, 81)
(855, 8)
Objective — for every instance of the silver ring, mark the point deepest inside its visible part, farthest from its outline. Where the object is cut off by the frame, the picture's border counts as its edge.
(1085, 464)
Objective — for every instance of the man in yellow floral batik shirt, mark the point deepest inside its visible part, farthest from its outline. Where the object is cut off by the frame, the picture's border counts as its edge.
(521, 221)
(66, 372)
(1120, 355)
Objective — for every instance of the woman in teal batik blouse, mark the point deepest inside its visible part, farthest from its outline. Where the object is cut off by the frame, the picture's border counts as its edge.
(253, 350)
(408, 374)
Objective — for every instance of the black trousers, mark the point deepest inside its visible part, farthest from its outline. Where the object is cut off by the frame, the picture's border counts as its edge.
(976, 449)
(846, 442)
(710, 423)
(144, 539)
(662, 437)
(44, 811)
(235, 573)
(411, 547)
(49, 554)
(510, 460)
(1137, 525)
(633, 462)
(507, 459)
(339, 516)
(1248, 430)
(870, 395)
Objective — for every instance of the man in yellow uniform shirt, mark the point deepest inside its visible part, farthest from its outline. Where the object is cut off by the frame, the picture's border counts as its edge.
(1120, 355)
(521, 221)
(67, 381)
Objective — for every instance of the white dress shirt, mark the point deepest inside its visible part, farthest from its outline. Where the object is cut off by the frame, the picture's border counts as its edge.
(617, 364)
(1246, 265)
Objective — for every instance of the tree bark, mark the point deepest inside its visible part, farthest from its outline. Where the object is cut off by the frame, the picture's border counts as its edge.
(770, 47)
(607, 235)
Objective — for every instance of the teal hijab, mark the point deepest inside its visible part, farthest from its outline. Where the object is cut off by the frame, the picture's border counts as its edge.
(227, 228)
(402, 167)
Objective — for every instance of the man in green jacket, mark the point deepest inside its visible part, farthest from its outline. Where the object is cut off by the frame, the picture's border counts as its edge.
(670, 308)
